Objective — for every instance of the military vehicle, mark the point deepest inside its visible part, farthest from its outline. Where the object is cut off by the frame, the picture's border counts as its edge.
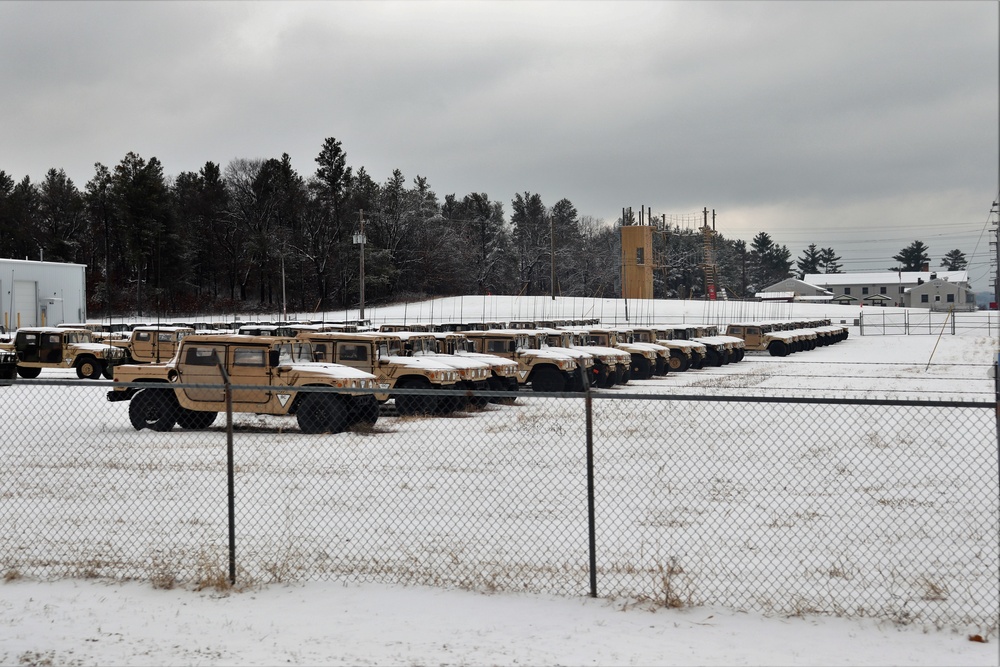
(266, 375)
(57, 347)
(150, 344)
(382, 355)
(543, 369)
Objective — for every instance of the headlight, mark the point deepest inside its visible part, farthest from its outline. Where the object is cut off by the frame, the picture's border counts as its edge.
(566, 365)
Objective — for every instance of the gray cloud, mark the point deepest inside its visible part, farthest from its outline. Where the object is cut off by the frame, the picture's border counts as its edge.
(825, 122)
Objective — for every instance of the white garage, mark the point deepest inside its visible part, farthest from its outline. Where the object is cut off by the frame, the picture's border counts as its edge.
(41, 293)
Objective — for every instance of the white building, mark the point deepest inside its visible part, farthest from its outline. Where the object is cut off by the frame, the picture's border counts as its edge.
(884, 288)
(42, 293)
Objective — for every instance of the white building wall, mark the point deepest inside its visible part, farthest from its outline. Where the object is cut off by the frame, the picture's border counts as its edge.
(37, 293)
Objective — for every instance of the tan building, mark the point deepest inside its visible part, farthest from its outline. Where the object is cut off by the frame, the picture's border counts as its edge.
(637, 262)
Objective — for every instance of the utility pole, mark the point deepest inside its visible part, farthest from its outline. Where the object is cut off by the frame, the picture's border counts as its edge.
(552, 255)
(359, 239)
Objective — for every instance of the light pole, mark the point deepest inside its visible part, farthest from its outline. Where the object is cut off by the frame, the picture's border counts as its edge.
(359, 239)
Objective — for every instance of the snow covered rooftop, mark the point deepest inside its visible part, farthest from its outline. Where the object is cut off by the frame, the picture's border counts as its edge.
(883, 277)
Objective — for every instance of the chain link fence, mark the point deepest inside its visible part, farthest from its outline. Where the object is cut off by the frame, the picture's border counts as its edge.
(887, 509)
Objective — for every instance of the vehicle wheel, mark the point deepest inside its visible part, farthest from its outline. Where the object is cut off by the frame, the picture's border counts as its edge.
(153, 409)
(415, 405)
(28, 372)
(599, 375)
(88, 369)
(641, 368)
(777, 349)
(625, 373)
(365, 410)
(480, 401)
(108, 372)
(195, 420)
(740, 353)
(322, 413)
(698, 361)
(547, 379)
(678, 363)
(661, 365)
(713, 358)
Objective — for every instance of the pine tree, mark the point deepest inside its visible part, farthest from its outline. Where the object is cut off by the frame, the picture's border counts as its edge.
(830, 261)
(954, 261)
(810, 261)
(912, 258)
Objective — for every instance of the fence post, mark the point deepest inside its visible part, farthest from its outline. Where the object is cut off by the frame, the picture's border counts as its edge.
(591, 522)
(231, 491)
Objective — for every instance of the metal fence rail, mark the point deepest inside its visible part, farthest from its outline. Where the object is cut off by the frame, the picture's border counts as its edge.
(867, 508)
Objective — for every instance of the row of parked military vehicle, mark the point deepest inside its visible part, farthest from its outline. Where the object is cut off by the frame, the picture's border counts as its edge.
(288, 368)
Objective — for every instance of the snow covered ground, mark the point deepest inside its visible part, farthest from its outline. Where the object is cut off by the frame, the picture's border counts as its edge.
(88, 621)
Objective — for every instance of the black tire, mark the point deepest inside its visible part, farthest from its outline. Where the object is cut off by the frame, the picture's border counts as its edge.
(599, 375)
(88, 368)
(661, 366)
(195, 420)
(364, 410)
(322, 413)
(641, 368)
(415, 405)
(107, 371)
(678, 362)
(777, 349)
(547, 379)
(624, 373)
(740, 354)
(713, 358)
(698, 361)
(28, 372)
(153, 409)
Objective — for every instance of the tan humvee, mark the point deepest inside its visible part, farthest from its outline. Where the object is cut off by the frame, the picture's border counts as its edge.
(545, 369)
(503, 372)
(382, 355)
(265, 373)
(59, 347)
(152, 344)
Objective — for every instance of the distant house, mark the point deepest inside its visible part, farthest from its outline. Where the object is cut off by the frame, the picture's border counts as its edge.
(889, 288)
(940, 294)
(793, 289)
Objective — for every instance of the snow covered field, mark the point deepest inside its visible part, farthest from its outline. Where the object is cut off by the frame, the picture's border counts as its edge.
(85, 621)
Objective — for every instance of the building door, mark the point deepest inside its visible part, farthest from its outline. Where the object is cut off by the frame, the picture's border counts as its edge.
(25, 304)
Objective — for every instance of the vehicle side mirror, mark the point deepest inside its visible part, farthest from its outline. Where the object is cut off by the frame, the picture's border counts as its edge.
(273, 357)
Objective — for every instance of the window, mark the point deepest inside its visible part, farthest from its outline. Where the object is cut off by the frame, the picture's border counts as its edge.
(640, 255)
(951, 298)
(937, 298)
(847, 290)
(883, 290)
(142, 336)
(901, 289)
(864, 290)
(494, 346)
(249, 357)
(352, 352)
(163, 337)
(923, 298)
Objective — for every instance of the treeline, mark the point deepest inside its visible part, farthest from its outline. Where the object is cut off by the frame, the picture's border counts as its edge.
(237, 238)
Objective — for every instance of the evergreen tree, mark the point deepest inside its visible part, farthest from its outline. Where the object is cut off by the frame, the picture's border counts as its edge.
(830, 261)
(954, 261)
(531, 242)
(810, 261)
(769, 262)
(912, 258)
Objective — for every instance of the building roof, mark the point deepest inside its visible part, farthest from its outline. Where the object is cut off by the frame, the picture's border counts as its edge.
(883, 277)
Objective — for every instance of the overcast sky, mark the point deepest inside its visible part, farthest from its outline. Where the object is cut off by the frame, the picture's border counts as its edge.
(860, 126)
